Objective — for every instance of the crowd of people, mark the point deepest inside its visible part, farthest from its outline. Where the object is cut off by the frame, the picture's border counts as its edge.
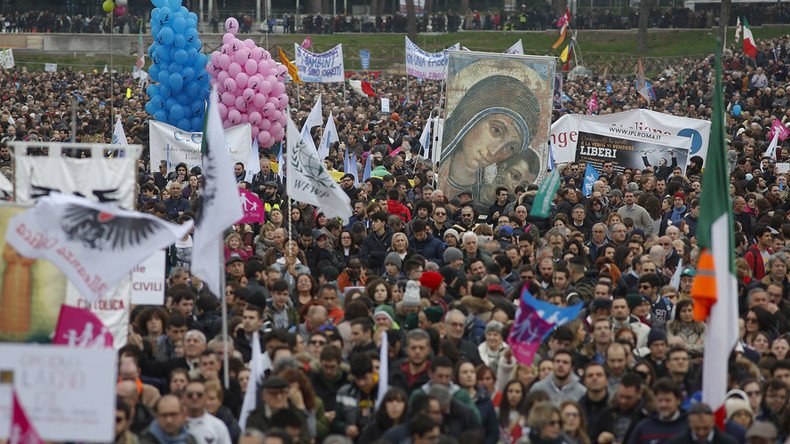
(443, 278)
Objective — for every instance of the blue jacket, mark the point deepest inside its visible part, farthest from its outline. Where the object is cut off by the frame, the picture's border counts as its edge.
(374, 248)
(652, 429)
(431, 248)
(173, 206)
(488, 417)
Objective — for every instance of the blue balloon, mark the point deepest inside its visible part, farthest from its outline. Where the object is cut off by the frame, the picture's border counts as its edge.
(192, 89)
(153, 71)
(202, 60)
(188, 74)
(736, 110)
(191, 35)
(165, 15)
(197, 108)
(163, 54)
(174, 67)
(150, 108)
(176, 112)
(180, 56)
(159, 3)
(182, 9)
(160, 115)
(155, 28)
(179, 41)
(152, 50)
(192, 16)
(164, 76)
(197, 124)
(165, 91)
(170, 103)
(191, 23)
(165, 36)
(152, 90)
(185, 101)
(184, 123)
(176, 81)
(179, 24)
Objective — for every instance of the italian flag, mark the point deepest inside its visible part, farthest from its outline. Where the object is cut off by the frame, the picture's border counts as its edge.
(749, 48)
(715, 289)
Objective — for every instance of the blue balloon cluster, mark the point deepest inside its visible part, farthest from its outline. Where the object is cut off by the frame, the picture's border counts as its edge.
(178, 66)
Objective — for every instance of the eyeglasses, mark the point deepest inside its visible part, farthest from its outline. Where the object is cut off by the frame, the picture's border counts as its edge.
(440, 214)
(194, 395)
(751, 320)
(571, 414)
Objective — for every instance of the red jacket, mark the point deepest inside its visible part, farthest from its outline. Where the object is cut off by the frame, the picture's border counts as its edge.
(755, 260)
(398, 209)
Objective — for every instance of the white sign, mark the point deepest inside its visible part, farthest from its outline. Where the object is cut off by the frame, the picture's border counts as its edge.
(517, 48)
(105, 180)
(385, 105)
(6, 58)
(113, 309)
(67, 393)
(565, 131)
(427, 65)
(50, 67)
(174, 145)
(148, 281)
(324, 67)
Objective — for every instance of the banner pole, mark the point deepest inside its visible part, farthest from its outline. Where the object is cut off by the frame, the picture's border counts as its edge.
(298, 96)
(225, 334)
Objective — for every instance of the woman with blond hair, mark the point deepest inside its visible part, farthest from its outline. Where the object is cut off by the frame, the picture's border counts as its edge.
(574, 424)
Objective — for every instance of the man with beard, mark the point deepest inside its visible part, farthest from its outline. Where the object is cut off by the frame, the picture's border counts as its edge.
(667, 421)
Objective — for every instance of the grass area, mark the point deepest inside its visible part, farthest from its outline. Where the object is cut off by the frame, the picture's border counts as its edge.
(388, 49)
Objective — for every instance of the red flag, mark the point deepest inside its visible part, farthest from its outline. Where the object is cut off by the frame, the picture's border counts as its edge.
(81, 328)
(22, 430)
(307, 43)
(565, 20)
(367, 89)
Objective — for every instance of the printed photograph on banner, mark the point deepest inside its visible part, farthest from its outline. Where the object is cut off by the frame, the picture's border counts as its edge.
(498, 116)
(625, 148)
(31, 291)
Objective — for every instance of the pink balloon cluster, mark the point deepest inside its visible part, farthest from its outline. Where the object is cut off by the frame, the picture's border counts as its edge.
(251, 86)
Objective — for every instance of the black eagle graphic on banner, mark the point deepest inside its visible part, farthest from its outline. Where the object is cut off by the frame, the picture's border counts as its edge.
(209, 191)
(102, 231)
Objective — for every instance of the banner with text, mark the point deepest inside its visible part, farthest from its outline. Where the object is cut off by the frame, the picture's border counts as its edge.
(68, 393)
(6, 58)
(565, 131)
(626, 148)
(173, 146)
(427, 65)
(324, 67)
(148, 280)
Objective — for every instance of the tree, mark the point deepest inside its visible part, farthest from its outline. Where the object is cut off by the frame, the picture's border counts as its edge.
(411, 20)
(724, 19)
(644, 21)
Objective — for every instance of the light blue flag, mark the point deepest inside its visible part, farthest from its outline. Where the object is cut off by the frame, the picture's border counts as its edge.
(368, 168)
(590, 176)
(364, 57)
(352, 163)
(551, 157)
(554, 315)
(425, 137)
(608, 87)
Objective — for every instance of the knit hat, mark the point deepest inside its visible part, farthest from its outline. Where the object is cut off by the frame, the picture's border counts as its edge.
(494, 326)
(411, 296)
(680, 195)
(633, 300)
(505, 230)
(615, 193)
(735, 405)
(431, 280)
(451, 255)
(412, 321)
(394, 259)
(385, 310)
(762, 429)
(453, 232)
(656, 335)
(632, 187)
(434, 313)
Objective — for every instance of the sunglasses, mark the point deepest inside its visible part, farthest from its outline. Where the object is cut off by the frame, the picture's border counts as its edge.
(194, 395)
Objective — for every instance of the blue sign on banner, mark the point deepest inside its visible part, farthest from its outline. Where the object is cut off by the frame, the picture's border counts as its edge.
(364, 56)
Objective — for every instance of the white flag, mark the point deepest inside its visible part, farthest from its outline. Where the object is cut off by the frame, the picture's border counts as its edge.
(384, 360)
(221, 204)
(253, 164)
(771, 151)
(118, 134)
(309, 181)
(356, 85)
(425, 137)
(738, 29)
(95, 245)
(517, 48)
(329, 137)
(314, 119)
(675, 281)
(259, 363)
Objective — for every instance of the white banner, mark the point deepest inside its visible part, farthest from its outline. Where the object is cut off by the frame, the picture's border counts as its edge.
(6, 58)
(427, 65)
(50, 67)
(148, 281)
(385, 105)
(174, 146)
(106, 180)
(324, 67)
(517, 48)
(565, 131)
(113, 309)
(67, 393)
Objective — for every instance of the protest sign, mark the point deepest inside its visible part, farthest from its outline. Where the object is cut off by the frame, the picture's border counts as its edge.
(51, 67)
(78, 327)
(627, 148)
(6, 58)
(564, 131)
(385, 105)
(252, 206)
(148, 280)
(68, 393)
(324, 67)
(174, 146)
(426, 65)
(113, 309)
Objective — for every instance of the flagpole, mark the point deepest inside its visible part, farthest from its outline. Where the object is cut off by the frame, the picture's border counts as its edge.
(225, 334)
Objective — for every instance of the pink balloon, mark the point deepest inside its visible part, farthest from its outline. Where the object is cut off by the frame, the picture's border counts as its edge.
(226, 49)
(242, 80)
(265, 87)
(215, 57)
(224, 61)
(228, 98)
(263, 68)
(254, 82)
(278, 88)
(234, 116)
(245, 118)
(264, 138)
(222, 76)
(265, 55)
(249, 43)
(223, 110)
(259, 100)
(256, 53)
(241, 56)
(228, 38)
(283, 102)
(266, 124)
(248, 95)
(255, 130)
(234, 69)
(251, 67)
(280, 134)
(269, 109)
(276, 127)
(230, 85)
(255, 118)
(232, 25)
(283, 119)
(241, 104)
(213, 69)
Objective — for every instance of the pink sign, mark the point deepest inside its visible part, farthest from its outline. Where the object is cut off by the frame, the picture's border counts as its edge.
(527, 333)
(783, 131)
(252, 206)
(22, 430)
(81, 328)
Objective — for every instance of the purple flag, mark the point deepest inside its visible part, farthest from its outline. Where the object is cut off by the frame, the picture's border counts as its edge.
(527, 333)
